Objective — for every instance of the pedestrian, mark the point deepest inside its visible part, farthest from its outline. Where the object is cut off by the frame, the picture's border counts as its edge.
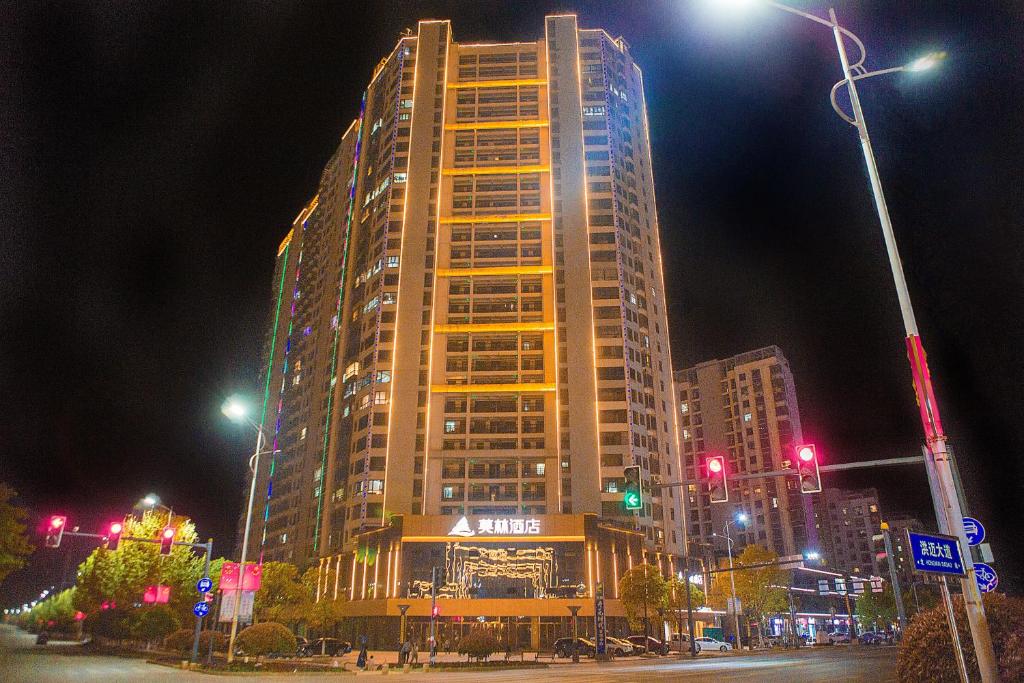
(447, 646)
(403, 654)
(361, 660)
(414, 653)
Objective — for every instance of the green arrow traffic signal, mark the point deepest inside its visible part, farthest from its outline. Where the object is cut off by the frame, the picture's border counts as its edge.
(632, 500)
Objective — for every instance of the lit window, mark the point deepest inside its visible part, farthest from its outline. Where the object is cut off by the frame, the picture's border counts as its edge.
(684, 407)
(350, 371)
(303, 435)
(540, 468)
(364, 401)
(407, 104)
(447, 492)
(450, 426)
(389, 298)
(392, 261)
(296, 379)
(380, 398)
(746, 417)
(384, 376)
(401, 177)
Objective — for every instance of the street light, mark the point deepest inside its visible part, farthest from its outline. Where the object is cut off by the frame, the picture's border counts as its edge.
(941, 479)
(741, 518)
(237, 411)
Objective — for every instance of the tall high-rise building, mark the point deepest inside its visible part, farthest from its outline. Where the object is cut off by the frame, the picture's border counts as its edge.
(899, 525)
(744, 408)
(470, 341)
(850, 519)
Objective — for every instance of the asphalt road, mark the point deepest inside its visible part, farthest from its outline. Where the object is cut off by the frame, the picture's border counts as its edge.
(21, 661)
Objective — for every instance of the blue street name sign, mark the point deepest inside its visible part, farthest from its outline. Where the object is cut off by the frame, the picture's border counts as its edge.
(936, 553)
(204, 585)
(600, 625)
(974, 530)
(201, 609)
(986, 576)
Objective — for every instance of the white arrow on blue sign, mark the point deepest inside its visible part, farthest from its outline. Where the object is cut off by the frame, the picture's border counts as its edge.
(201, 609)
(986, 576)
(204, 585)
(974, 530)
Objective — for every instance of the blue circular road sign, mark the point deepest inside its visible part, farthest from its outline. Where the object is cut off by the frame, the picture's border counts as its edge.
(204, 585)
(201, 609)
(986, 576)
(974, 530)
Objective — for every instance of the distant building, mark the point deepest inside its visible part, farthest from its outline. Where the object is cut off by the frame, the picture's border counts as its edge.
(744, 407)
(849, 520)
(898, 527)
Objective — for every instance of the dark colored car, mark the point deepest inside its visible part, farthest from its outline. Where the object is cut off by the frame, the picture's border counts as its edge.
(585, 648)
(331, 647)
(875, 638)
(652, 645)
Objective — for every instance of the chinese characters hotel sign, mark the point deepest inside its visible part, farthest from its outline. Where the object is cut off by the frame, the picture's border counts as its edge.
(496, 526)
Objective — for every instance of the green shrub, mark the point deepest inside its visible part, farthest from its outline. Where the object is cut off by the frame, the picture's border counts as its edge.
(478, 645)
(112, 624)
(152, 623)
(181, 641)
(926, 651)
(265, 638)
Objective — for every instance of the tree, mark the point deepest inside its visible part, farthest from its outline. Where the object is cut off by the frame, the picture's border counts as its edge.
(642, 591)
(321, 616)
(154, 623)
(755, 587)
(14, 545)
(479, 644)
(282, 596)
(266, 638)
(877, 609)
(676, 601)
(121, 576)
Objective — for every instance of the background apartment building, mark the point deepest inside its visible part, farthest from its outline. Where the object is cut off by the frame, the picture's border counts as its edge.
(849, 521)
(470, 321)
(744, 407)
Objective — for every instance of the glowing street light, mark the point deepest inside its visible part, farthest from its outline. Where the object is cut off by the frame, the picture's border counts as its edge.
(929, 61)
(235, 408)
(742, 517)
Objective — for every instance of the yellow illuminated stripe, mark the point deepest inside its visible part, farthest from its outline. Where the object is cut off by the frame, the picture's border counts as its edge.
(497, 84)
(497, 218)
(488, 125)
(497, 170)
(285, 242)
(495, 327)
(488, 539)
(489, 388)
(495, 270)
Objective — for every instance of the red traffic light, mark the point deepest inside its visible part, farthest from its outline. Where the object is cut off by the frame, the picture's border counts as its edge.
(114, 535)
(436, 610)
(807, 468)
(55, 530)
(718, 486)
(167, 540)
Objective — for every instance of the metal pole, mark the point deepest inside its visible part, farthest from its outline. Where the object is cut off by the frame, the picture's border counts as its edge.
(689, 606)
(954, 632)
(199, 620)
(792, 618)
(897, 592)
(732, 581)
(849, 613)
(245, 546)
(433, 611)
(942, 482)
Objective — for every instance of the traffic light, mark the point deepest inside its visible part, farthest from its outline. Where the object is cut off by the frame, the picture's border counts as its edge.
(114, 535)
(633, 496)
(55, 531)
(167, 540)
(718, 485)
(807, 469)
(435, 611)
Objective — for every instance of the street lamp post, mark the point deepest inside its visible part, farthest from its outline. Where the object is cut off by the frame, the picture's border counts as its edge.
(939, 467)
(732, 581)
(236, 411)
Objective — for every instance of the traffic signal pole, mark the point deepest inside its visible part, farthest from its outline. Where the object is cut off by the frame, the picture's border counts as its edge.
(208, 547)
(940, 471)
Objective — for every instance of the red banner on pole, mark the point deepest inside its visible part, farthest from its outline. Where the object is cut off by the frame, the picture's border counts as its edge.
(229, 576)
(252, 577)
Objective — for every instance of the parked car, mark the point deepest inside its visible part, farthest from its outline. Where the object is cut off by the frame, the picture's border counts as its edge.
(875, 638)
(584, 648)
(620, 648)
(837, 637)
(710, 644)
(300, 646)
(681, 642)
(331, 647)
(651, 645)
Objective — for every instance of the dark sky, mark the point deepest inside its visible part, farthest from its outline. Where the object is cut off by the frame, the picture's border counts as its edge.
(155, 153)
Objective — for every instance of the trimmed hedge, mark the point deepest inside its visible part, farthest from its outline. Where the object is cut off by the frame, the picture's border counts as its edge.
(926, 651)
(266, 638)
(479, 644)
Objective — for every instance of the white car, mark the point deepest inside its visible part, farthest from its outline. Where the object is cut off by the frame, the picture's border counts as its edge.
(710, 644)
(619, 648)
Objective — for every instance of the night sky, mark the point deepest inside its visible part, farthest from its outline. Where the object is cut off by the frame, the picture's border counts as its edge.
(154, 154)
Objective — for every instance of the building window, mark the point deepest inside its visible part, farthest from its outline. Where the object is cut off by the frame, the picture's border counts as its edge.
(392, 261)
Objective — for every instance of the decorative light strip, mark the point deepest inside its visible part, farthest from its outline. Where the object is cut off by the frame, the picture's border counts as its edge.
(495, 327)
(494, 270)
(285, 242)
(488, 125)
(496, 218)
(491, 388)
(497, 84)
(497, 170)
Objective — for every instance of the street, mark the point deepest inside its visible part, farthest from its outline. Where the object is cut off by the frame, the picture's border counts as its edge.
(21, 661)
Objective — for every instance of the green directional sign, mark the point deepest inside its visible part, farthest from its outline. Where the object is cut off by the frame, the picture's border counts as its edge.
(632, 500)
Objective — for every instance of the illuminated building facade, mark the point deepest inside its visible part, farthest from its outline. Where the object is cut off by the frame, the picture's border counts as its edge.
(745, 408)
(477, 302)
(850, 519)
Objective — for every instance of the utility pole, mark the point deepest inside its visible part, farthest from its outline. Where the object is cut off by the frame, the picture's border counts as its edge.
(897, 592)
(208, 547)
(433, 613)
